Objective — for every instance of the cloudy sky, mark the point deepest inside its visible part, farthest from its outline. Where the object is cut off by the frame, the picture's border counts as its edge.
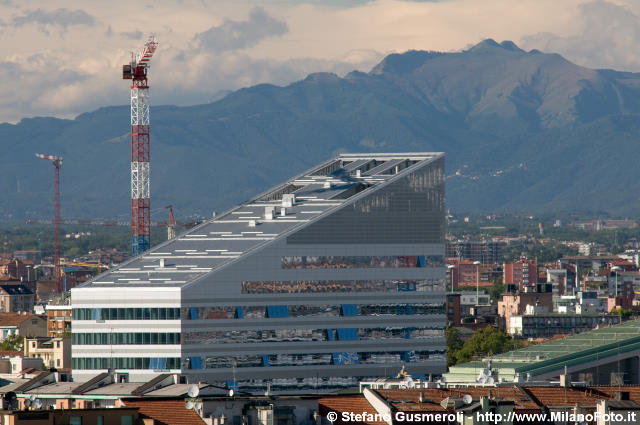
(61, 58)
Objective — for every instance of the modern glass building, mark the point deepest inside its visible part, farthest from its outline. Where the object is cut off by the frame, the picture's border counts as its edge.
(333, 277)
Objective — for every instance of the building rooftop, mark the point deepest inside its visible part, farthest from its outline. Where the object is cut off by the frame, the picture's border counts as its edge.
(555, 355)
(259, 221)
(14, 319)
(166, 412)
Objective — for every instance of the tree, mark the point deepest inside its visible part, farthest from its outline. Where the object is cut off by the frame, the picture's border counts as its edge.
(486, 341)
(12, 343)
(454, 343)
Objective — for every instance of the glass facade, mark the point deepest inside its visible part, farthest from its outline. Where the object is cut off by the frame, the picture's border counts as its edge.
(313, 286)
(125, 338)
(355, 262)
(153, 363)
(297, 335)
(168, 313)
(408, 210)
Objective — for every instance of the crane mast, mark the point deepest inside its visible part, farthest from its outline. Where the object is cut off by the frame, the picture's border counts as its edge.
(136, 71)
(57, 163)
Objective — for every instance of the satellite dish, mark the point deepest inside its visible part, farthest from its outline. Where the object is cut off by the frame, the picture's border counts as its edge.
(27, 403)
(231, 392)
(193, 390)
(490, 380)
(37, 403)
(198, 405)
(189, 405)
(467, 399)
(443, 380)
(482, 380)
(32, 397)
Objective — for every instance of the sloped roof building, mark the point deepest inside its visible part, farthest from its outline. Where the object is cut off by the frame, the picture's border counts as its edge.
(334, 276)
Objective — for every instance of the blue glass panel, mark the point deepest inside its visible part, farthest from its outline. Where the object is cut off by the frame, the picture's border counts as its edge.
(193, 313)
(265, 360)
(95, 314)
(348, 334)
(409, 356)
(349, 310)
(232, 385)
(162, 363)
(274, 311)
(153, 363)
(421, 261)
(345, 358)
(196, 362)
(330, 335)
(406, 286)
(239, 313)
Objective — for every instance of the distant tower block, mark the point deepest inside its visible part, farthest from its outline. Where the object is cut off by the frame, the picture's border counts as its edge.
(136, 71)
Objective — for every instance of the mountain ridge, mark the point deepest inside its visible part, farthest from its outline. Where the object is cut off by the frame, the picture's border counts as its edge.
(490, 108)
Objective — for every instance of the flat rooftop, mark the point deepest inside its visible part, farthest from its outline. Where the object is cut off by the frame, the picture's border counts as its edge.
(554, 355)
(259, 221)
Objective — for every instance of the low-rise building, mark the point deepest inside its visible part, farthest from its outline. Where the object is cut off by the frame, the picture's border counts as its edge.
(54, 352)
(25, 324)
(546, 325)
(58, 319)
(16, 298)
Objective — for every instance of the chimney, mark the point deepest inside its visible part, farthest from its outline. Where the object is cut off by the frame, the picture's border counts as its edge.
(288, 200)
(357, 173)
(162, 263)
(252, 223)
(268, 213)
(283, 212)
(327, 185)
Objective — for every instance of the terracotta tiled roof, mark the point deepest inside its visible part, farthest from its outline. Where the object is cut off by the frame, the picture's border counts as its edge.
(13, 319)
(166, 412)
(10, 353)
(356, 404)
(558, 396)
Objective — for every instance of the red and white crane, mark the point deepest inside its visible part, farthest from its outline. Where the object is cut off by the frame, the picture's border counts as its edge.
(137, 71)
(57, 163)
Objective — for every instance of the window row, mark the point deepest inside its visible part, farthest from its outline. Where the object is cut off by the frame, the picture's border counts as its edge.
(126, 338)
(147, 313)
(154, 363)
(356, 262)
(305, 335)
(331, 286)
(275, 311)
(253, 312)
(311, 359)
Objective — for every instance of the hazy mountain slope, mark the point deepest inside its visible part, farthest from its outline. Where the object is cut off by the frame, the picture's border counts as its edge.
(523, 130)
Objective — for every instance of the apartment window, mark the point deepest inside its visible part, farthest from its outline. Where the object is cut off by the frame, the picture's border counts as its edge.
(100, 420)
(75, 420)
(126, 420)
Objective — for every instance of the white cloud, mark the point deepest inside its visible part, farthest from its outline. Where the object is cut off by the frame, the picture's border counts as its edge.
(210, 47)
(609, 36)
(60, 18)
(233, 35)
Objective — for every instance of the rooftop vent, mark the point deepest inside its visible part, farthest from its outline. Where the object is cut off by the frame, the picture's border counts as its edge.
(288, 200)
(358, 173)
(162, 262)
(327, 185)
(283, 211)
(252, 223)
(268, 213)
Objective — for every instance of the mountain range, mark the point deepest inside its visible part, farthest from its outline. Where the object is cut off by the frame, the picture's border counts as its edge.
(523, 131)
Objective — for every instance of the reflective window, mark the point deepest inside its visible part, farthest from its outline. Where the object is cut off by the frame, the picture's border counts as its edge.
(407, 210)
(355, 262)
(122, 338)
(162, 313)
(312, 286)
(301, 335)
(87, 363)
